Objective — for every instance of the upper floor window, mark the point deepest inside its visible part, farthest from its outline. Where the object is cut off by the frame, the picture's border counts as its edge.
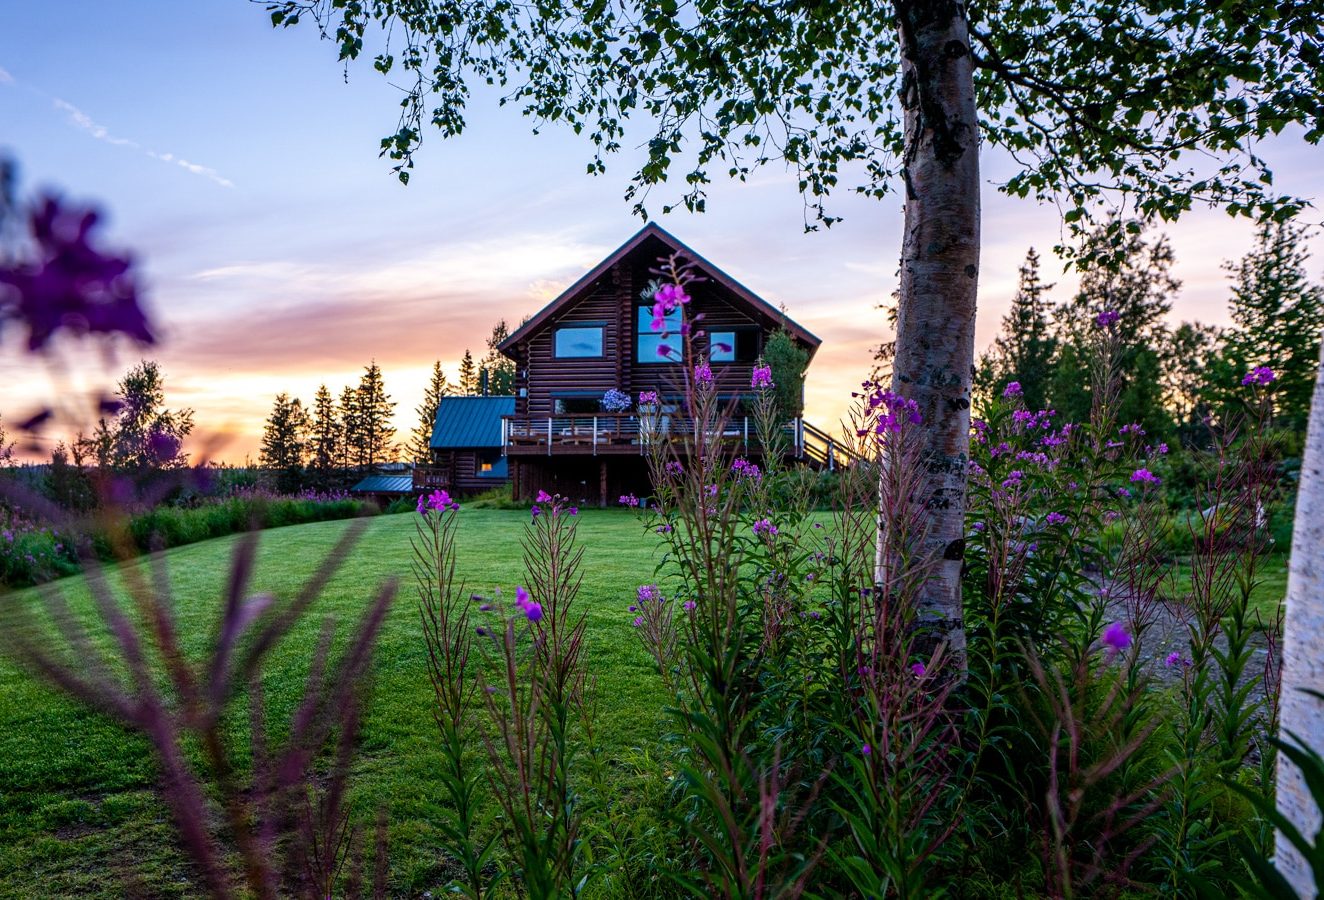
(739, 346)
(650, 345)
(578, 342)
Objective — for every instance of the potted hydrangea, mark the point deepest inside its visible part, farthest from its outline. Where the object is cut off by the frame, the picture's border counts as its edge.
(615, 401)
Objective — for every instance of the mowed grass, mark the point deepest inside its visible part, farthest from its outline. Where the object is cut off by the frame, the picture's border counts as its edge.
(77, 813)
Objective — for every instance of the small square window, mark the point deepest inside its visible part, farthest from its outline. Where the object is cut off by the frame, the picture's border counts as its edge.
(579, 342)
(733, 346)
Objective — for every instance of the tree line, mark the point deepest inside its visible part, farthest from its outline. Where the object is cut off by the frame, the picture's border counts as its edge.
(354, 432)
(1173, 380)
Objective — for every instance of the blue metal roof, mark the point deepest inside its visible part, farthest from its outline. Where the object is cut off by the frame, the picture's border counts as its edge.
(385, 484)
(464, 422)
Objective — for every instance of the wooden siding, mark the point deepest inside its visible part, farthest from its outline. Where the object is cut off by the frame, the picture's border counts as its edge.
(614, 299)
(461, 468)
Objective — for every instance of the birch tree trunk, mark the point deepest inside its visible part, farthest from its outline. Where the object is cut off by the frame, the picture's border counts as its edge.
(935, 340)
(1303, 648)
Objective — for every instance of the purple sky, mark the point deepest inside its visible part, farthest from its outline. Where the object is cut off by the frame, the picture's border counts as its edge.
(279, 252)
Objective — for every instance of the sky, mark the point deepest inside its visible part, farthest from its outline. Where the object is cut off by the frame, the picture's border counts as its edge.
(239, 164)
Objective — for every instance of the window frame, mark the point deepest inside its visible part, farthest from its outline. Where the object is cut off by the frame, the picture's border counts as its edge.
(601, 328)
(643, 319)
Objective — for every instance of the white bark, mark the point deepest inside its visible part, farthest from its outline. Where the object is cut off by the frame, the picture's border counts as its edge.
(935, 338)
(1303, 649)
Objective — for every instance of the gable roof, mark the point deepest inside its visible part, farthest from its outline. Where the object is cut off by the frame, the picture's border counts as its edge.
(470, 421)
(653, 230)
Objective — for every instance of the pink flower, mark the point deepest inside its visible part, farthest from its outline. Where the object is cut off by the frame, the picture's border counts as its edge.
(762, 377)
(1116, 638)
(866, 750)
(671, 295)
(917, 669)
(629, 500)
(703, 374)
(1260, 375)
(1175, 660)
(544, 497)
(647, 397)
(532, 608)
(1107, 319)
(1144, 476)
(765, 526)
(1055, 518)
(1013, 389)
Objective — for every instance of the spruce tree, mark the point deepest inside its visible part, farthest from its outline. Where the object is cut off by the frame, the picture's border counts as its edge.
(420, 441)
(1024, 350)
(375, 409)
(1279, 314)
(500, 369)
(351, 429)
(284, 441)
(1132, 276)
(468, 375)
(325, 439)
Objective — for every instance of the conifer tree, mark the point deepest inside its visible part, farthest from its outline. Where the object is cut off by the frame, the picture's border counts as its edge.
(1279, 314)
(420, 441)
(468, 375)
(1024, 351)
(375, 409)
(500, 369)
(325, 439)
(284, 441)
(351, 430)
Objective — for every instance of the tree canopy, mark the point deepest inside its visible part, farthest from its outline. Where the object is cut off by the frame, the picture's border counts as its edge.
(1157, 103)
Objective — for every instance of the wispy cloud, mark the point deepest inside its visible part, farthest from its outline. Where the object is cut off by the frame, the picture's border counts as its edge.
(5, 77)
(80, 119)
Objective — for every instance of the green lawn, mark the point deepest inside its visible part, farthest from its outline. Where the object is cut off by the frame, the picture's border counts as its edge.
(77, 815)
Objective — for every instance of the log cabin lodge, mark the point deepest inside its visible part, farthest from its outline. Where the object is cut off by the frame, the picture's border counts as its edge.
(555, 434)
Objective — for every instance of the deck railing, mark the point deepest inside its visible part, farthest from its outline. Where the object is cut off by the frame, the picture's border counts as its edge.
(624, 433)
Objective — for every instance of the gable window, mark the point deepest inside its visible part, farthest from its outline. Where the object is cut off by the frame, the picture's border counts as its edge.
(650, 346)
(578, 342)
(740, 346)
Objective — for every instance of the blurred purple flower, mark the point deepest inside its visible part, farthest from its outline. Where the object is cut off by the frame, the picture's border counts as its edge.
(762, 377)
(1013, 389)
(1260, 375)
(1144, 476)
(1116, 638)
(70, 284)
(1107, 319)
(703, 374)
(647, 398)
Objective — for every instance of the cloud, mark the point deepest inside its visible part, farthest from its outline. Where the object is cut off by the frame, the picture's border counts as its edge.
(5, 77)
(80, 119)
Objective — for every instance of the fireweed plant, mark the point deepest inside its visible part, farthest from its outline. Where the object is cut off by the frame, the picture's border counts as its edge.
(812, 736)
(1068, 578)
(525, 663)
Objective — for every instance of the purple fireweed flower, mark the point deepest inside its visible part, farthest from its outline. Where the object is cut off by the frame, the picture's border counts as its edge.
(1116, 638)
(1175, 660)
(1144, 476)
(480, 631)
(866, 750)
(484, 607)
(746, 469)
(765, 526)
(638, 622)
(688, 605)
(703, 374)
(762, 377)
(675, 467)
(422, 506)
(663, 529)
(978, 526)
(1107, 319)
(917, 669)
(535, 510)
(1013, 389)
(71, 284)
(648, 592)
(1013, 478)
(532, 608)
(1133, 428)
(1260, 375)
(628, 500)
(671, 296)
(1055, 518)
(633, 608)
(544, 497)
(710, 490)
(441, 500)
(647, 397)
(574, 510)
(664, 351)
